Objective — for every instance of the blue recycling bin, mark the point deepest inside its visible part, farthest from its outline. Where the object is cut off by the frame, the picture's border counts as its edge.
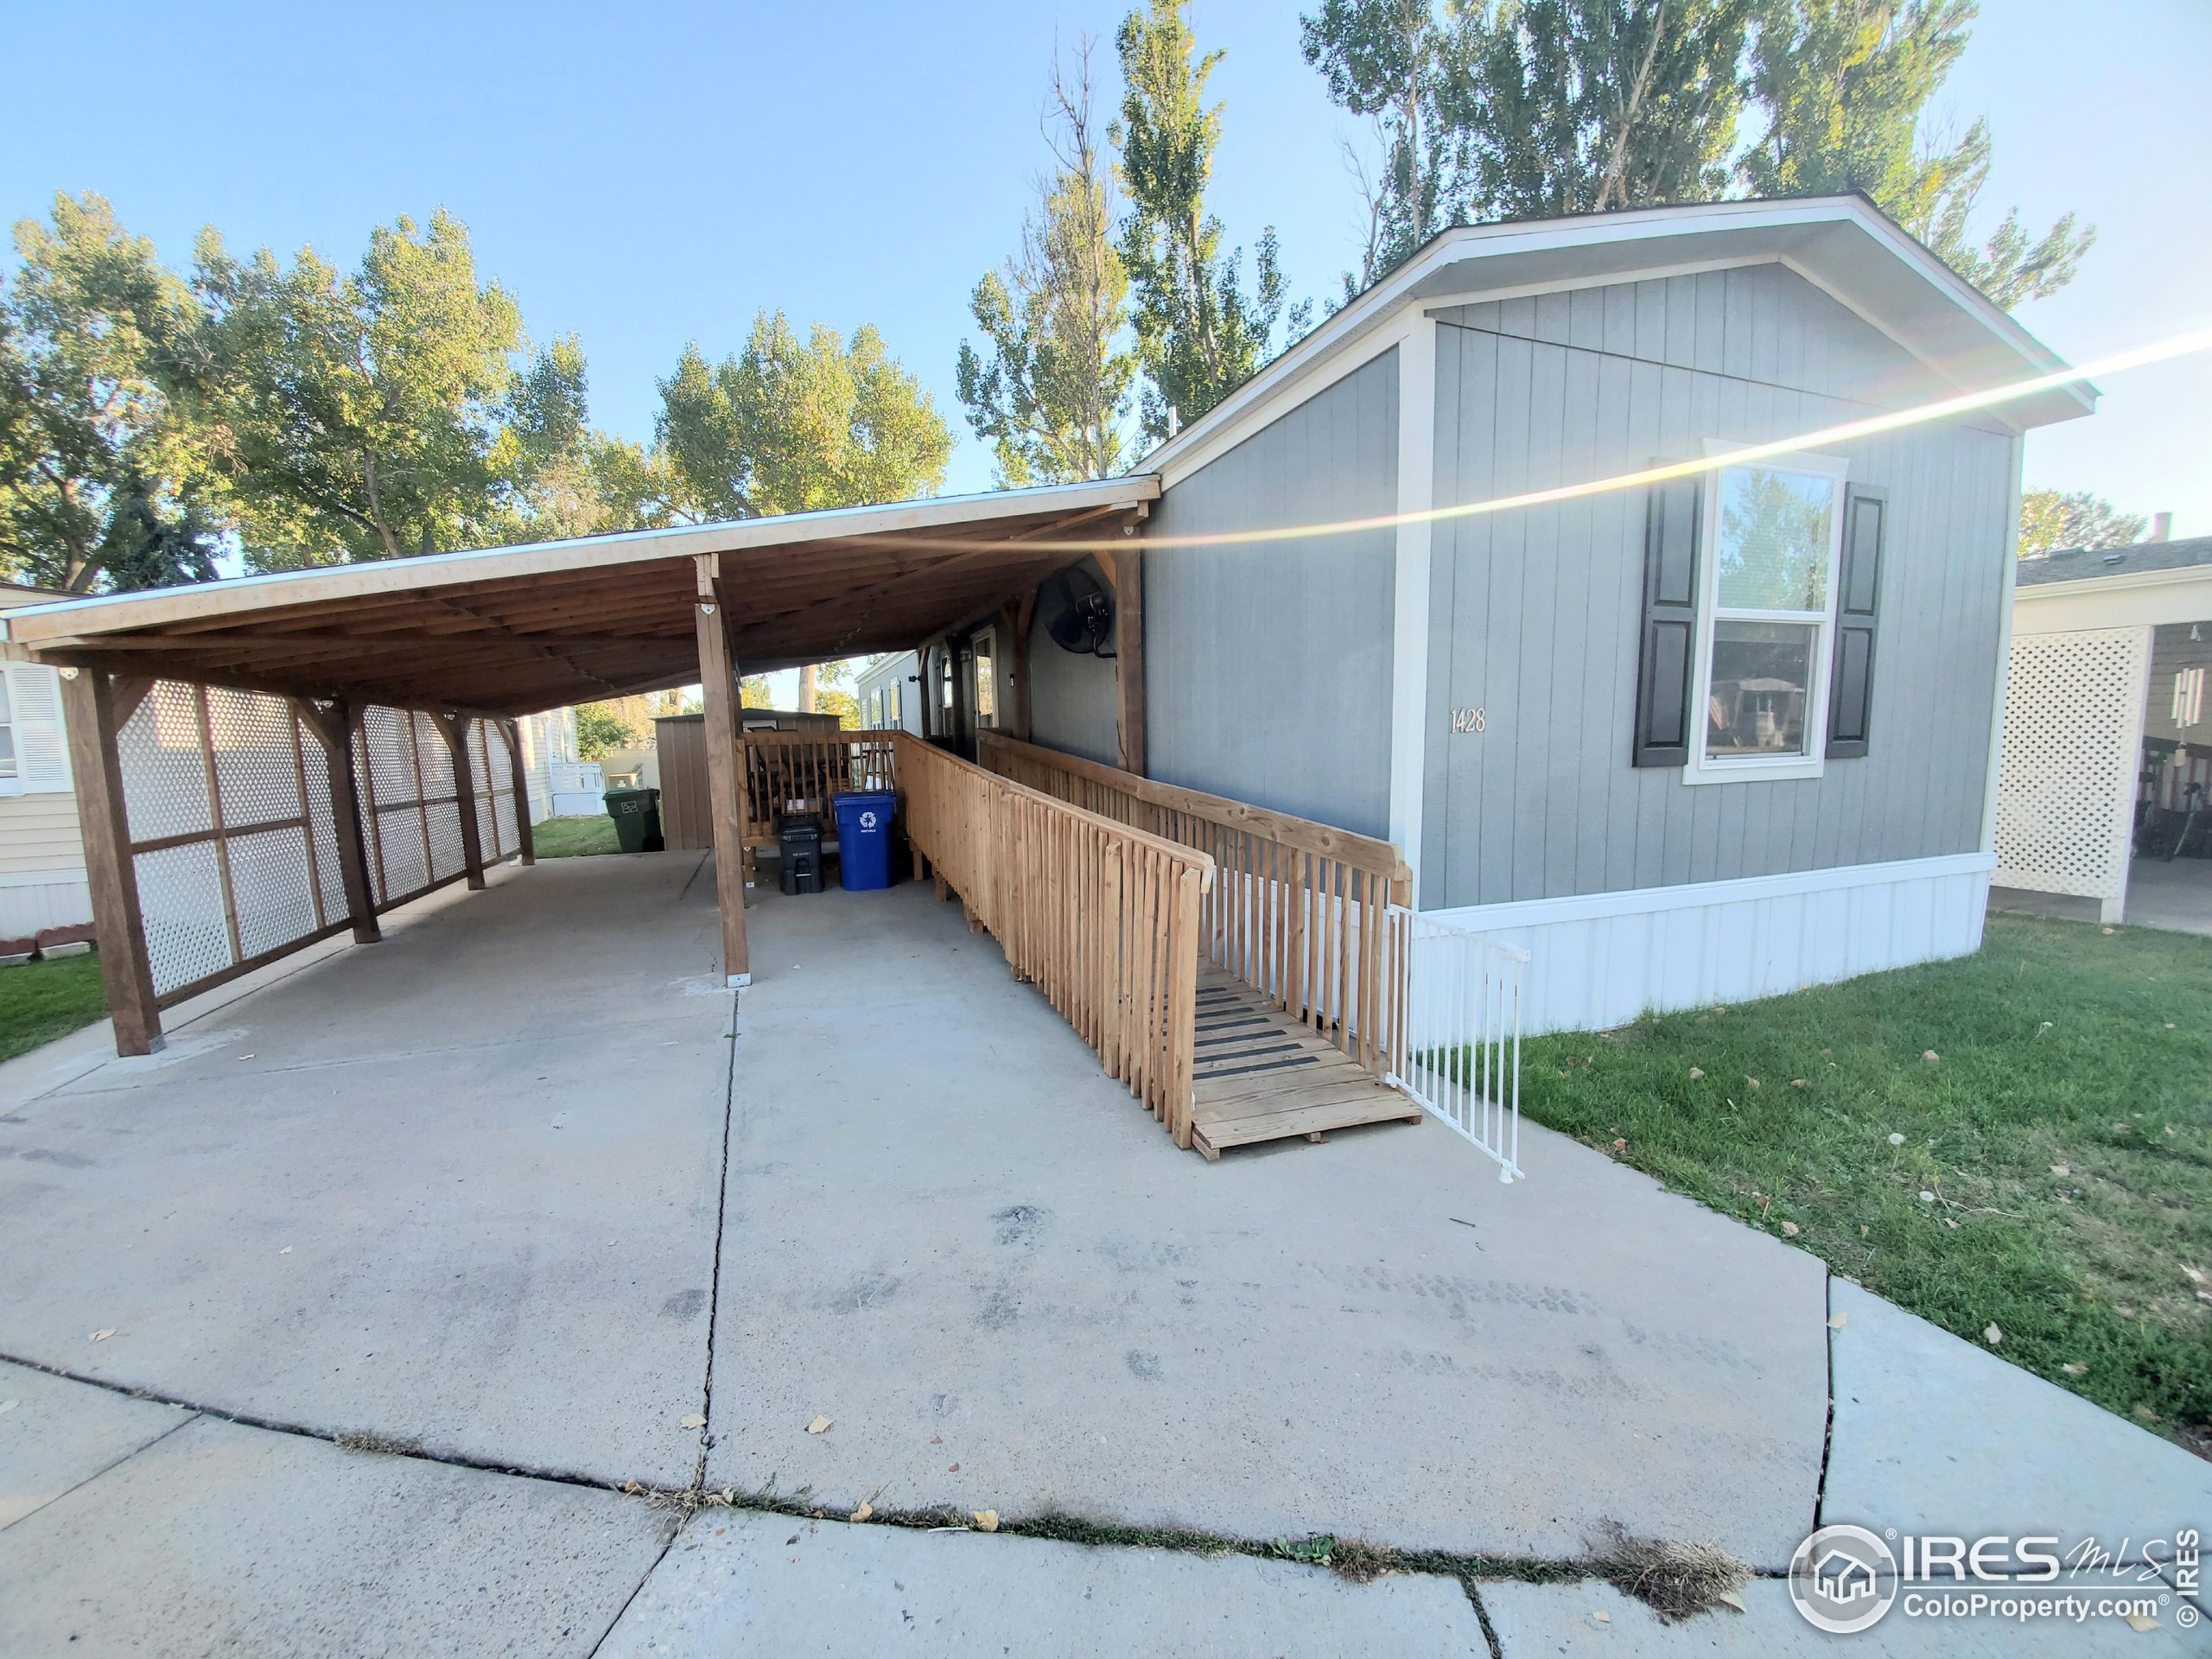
(864, 840)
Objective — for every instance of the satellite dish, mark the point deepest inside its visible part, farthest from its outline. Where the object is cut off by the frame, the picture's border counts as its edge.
(1078, 612)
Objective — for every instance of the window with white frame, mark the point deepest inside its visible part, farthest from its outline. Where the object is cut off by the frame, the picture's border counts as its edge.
(1767, 616)
(2189, 697)
(8, 773)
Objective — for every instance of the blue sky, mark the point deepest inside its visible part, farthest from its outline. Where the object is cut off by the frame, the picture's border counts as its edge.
(647, 174)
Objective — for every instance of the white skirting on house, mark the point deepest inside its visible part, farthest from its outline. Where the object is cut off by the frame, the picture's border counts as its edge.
(31, 899)
(1600, 959)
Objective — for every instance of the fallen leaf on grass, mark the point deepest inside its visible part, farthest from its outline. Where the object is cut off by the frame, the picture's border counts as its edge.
(1835, 1321)
(2062, 1169)
(2075, 1371)
(2195, 1275)
(1992, 1336)
(1930, 1055)
(695, 1421)
(101, 1336)
(819, 1426)
(1754, 1082)
(633, 1487)
(1789, 1230)
(1731, 1599)
(1620, 1146)
(986, 1520)
(1799, 1083)
(1696, 1071)
(863, 1513)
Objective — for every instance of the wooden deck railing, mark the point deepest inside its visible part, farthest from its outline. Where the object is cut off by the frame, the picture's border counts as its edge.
(1300, 910)
(1103, 916)
(805, 772)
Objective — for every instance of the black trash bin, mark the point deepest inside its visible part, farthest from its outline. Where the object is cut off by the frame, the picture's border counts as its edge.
(636, 813)
(798, 847)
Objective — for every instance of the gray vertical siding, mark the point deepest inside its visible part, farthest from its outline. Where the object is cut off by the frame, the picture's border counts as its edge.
(1268, 665)
(1074, 701)
(1534, 614)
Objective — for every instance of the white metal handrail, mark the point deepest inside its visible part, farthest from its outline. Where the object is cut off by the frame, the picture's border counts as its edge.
(1456, 1025)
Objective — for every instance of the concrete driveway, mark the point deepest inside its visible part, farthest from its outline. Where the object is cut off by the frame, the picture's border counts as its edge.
(367, 1318)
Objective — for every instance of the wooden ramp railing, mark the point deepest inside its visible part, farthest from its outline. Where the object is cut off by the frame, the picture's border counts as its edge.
(805, 772)
(1300, 911)
(1105, 918)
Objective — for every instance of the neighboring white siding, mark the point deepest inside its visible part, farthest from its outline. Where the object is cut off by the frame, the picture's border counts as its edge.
(1600, 960)
(41, 848)
(546, 739)
(42, 865)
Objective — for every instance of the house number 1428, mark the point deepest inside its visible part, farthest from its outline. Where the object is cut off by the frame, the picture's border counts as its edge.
(1466, 720)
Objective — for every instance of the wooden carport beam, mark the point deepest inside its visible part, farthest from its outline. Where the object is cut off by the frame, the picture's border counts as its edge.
(333, 726)
(725, 764)
(89, 704)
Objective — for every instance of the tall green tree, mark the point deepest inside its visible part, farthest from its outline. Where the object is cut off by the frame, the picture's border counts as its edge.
(97, 487)
(1199, 332)
(1385, 61)
(1576, 106)
(791, 426)
(397, 410)
(2051, 520)
(1053, 398)
(1845, 86)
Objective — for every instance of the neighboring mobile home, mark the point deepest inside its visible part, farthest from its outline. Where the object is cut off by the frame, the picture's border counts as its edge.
(42, 886)
(888, 691)
(2107, 754)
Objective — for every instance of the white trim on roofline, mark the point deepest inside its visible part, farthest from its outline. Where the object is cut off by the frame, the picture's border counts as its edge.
(2172, 575)
(67, 618)
(1359, 332)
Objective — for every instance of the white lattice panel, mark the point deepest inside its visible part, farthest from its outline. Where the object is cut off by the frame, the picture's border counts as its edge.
(406, 871)
(164, 769)
(2073, 738)
(253, 756)
(330, 875)
(269, 880)
(181, 899)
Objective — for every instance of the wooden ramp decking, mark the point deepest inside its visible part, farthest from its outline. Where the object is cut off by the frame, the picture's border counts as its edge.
(1259, 1075)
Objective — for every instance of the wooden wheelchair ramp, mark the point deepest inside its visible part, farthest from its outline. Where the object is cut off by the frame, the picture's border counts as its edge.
(1258, 1074)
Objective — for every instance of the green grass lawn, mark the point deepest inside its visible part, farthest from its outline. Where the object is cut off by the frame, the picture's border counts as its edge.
(573, 837)
(41, 1001)
(2054, 1177)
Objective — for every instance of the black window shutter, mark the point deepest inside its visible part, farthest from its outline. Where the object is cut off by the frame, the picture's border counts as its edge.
(1666, 663)
(1858, 582)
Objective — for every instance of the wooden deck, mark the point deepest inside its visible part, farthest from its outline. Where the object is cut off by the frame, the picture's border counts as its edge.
(1259, 1075)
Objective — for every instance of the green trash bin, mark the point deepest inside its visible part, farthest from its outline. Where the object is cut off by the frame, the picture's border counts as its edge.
(636, 813)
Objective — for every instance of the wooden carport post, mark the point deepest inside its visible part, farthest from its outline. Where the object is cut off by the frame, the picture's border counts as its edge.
(455, 730)
(1124, 568)
(333, 726)
(725, 763)
(94, 709)
(512, 730)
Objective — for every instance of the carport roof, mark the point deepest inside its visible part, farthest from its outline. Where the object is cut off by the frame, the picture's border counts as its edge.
(513, 630)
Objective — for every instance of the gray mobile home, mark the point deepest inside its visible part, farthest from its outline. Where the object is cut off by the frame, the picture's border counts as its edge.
(1701, 739)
